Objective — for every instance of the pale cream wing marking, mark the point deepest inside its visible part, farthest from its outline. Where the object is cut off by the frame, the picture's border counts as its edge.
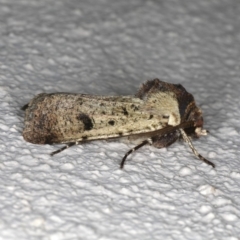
(164, 104)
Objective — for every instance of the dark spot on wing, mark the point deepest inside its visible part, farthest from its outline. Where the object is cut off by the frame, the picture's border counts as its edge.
(111, 122)
(125, 112)
(86, 120)
(134, 107)
(84, 137)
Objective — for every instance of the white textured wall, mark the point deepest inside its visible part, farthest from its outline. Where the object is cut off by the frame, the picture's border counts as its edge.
(111, 47)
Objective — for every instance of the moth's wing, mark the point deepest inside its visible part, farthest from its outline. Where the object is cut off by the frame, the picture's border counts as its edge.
(63, 118)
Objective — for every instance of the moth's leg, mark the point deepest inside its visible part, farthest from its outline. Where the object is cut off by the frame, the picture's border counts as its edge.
(65, 147)
(188, 140)
(147, 141)
(161, 141)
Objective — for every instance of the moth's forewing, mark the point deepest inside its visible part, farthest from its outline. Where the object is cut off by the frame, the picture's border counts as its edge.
(63, 118)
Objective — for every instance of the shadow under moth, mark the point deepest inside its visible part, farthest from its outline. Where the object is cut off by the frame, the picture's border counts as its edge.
(158, 114)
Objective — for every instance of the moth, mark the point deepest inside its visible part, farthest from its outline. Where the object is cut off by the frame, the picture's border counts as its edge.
(159, 114)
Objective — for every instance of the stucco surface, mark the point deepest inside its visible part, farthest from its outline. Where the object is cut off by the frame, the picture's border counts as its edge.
(109, 48)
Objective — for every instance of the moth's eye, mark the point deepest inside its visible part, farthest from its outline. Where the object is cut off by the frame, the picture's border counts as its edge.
(165, 116)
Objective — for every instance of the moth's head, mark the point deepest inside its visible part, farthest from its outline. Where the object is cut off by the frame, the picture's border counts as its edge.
(195, 115)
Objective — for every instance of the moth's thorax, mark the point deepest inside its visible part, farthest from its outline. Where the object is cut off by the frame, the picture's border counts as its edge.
(173, 102)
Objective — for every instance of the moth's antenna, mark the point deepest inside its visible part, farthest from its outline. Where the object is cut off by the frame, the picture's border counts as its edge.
(188, 140)
(147, 141)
